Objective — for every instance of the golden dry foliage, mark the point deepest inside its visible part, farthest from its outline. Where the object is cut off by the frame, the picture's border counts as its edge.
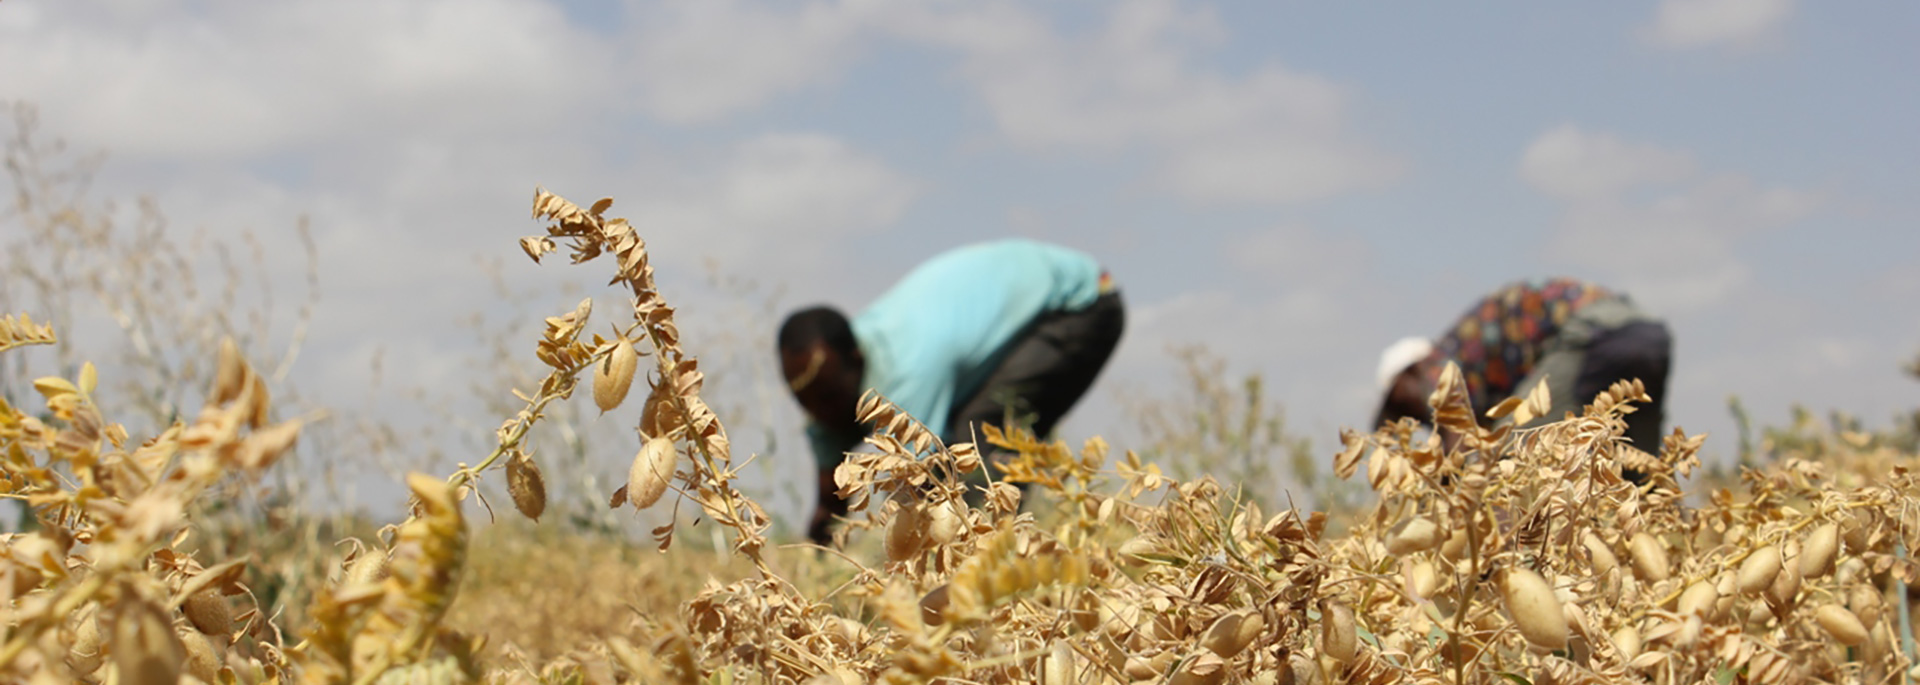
(674, 417)
(1491, 555)
(100, 591)
(21, 332)
(1553, 568)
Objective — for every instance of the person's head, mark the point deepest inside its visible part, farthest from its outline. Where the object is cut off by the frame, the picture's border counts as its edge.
(1402, 378)
(823, 366)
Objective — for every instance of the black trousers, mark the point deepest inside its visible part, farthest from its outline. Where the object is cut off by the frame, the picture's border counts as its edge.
(1043, 372)
(1643, 350)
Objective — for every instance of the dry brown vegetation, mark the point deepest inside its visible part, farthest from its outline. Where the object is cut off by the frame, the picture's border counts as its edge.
(1517, 555)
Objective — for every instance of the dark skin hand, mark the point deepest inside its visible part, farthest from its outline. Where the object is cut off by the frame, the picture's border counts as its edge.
(1407, 398)
(830, 393)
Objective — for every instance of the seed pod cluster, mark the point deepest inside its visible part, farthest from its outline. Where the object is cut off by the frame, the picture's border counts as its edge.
(1232, 632)
(651, 472)
(1535, 610)
(1626, 639)
(1785, 587)
(1422, 580)
(1843, 625)
(1338, 635)
(907, 533)
(1855, 531)
(1518, 553)
(1818, 550)
(1599, 555)
(1864, 602)
(1649, 557)
(1057, 667)
(1699, 599)
(203, 657)
(526, 486)
(1416, 534)
(1760, 569)
(943, 523)
(208, 613)
(369, 567)
(613, 376)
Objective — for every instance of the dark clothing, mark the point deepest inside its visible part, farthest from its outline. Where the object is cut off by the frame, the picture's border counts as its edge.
(1578, 338)
(1044, 371)
(1643, 350)
(1500, 339)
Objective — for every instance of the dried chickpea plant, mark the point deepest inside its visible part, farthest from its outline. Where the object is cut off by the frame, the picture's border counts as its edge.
(1525, 554)
(1517, 554)
(1504, 554)
(100, 591)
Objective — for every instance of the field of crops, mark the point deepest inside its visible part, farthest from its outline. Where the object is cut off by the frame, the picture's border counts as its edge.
(1517, 555)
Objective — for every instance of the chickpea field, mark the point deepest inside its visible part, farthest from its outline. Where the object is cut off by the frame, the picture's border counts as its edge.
(1514, 556)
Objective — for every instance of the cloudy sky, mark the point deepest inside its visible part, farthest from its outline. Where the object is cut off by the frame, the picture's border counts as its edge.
(1292, 184)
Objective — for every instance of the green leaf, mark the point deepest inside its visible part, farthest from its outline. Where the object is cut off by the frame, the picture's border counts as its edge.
(1725, 675)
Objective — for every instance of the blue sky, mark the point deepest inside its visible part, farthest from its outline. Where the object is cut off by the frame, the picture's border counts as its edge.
(1293, 184)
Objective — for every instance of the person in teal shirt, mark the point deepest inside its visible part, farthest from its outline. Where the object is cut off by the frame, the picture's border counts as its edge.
(977, 334)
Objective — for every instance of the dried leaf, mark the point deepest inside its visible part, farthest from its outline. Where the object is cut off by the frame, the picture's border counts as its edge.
(1348, 460)
(54, 386)
(1505, 407)
(535, 246)
(1539, 402)
(224, 577)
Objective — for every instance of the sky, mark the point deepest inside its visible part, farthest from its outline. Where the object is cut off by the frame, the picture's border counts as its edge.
(1293, 185)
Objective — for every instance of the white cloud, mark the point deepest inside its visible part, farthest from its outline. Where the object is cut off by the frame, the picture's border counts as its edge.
(1273, 135)
(813, 185)
(418, 221)
(233, 79)
(699, 60)
(1571, 163)
(1647, 220)
(1300, 256)
(412, 131)
(777, 193)
(1688, 24)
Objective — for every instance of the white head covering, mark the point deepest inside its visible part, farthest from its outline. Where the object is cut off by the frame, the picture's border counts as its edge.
(1401, 354)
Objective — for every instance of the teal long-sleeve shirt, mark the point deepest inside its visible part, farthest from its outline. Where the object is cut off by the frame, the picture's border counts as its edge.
(935, 337)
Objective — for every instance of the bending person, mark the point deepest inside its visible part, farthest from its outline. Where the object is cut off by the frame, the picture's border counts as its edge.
(976, 335)
(1581, 337)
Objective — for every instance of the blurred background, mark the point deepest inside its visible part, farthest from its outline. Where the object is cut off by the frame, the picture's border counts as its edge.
(1280, 188)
